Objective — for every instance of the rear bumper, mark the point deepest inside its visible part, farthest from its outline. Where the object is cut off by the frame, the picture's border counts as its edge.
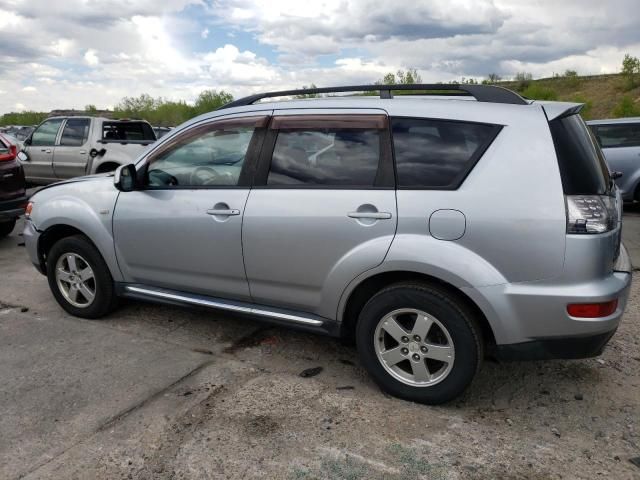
(10, 209)
(530, 319)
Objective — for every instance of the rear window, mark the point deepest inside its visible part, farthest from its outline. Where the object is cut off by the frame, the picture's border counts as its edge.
(616, 136)
(582, 165)
(127, 131)
(437, 153)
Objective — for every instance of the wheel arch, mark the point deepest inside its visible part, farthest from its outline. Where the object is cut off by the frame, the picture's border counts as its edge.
(364, 290)
(57, 232)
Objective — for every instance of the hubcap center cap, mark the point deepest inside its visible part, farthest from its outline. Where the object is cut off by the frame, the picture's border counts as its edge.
(414, 347)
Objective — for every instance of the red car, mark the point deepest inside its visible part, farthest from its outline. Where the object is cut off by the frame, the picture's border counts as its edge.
(13, 194)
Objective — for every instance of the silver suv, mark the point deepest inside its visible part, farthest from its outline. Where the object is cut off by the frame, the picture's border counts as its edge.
(620, 142)
(432, 230)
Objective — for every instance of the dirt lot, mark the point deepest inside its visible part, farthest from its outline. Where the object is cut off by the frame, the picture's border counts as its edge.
(158, 392)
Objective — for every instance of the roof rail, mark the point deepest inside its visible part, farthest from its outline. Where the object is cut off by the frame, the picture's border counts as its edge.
(482, 93)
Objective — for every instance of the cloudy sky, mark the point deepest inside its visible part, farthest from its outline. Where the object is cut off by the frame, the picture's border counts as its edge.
(70, 53)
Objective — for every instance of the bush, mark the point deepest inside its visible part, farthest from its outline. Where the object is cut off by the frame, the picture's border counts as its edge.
(630, 71)
(538, 92)
(588, 105)
(23, 118)
(523, 79)
(626, 108)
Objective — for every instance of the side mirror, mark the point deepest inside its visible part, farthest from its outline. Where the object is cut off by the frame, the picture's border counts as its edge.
(22, 156)
(614, 175)
(125, 178)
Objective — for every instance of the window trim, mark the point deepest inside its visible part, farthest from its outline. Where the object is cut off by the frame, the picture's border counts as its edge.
(64, 125)
(259, 122)
(459, 179)
(594, 129)
(385, 175)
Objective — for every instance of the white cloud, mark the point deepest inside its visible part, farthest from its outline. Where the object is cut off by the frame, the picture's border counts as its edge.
(150, 47)
(91, 57)
(30, 89)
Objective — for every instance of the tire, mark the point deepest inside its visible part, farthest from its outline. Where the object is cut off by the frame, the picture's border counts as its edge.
(452, 335)
(7, 227)
(62, 282)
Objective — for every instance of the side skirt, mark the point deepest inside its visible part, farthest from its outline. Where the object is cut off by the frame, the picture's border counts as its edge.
(289, 318)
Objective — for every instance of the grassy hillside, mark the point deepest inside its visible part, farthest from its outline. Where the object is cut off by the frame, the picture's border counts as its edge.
(605, 96)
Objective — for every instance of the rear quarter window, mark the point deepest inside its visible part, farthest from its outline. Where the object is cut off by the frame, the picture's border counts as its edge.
(582, 166)
(438, 154)
(127, 131)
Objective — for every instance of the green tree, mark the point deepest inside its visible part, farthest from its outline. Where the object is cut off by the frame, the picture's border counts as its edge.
(308, 95)
(401, 77)
(90, 108)
(491, 79)
(23, 118)
(630, 70)
(210, 100)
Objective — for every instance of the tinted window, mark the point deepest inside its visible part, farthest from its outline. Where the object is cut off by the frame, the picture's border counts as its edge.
(613, 136)
(331, 157)
(213, 157)
(582, 166)
(127, 131)
(437, 153)
(45, 134)
(75, 132)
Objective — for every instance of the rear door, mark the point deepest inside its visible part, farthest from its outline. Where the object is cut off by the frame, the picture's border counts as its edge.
(71, 155)
(323, 208)
(39, 167)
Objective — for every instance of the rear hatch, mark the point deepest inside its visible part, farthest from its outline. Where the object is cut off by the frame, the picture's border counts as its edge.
(593, 202)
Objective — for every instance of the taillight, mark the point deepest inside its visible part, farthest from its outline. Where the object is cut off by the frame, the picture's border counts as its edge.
(592, 310)
(591, 213)
(12, 153)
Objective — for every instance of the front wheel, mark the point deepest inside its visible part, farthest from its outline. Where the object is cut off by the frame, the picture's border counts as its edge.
(79, 278)
(419, 343)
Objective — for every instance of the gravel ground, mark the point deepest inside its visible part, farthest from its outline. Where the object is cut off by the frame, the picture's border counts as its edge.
(160, 392)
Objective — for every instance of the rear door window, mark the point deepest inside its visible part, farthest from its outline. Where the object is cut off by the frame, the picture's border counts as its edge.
(437, 154)
(75, 133)
(616, 136)
(326, 151)
(582, 166)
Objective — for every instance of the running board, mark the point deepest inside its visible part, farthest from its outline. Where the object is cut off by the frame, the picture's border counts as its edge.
(143, 292)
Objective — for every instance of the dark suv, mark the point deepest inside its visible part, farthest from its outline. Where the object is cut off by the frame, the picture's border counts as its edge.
(13, 195)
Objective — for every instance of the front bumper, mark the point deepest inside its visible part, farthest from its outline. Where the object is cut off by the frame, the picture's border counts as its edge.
(31, 236)
(530, 320)
(11, 209)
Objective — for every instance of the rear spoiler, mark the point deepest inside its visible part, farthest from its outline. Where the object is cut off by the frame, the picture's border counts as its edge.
(555, 110)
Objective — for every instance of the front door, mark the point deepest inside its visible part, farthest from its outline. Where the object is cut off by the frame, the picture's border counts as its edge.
(71, 155)
(182, 231)
(323, 209)
(39, 166)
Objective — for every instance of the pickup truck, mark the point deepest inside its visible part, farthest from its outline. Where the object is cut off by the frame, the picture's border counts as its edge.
(66, 147)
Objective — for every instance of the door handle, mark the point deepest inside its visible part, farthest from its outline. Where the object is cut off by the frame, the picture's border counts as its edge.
(372, 215)
(223, 212)
(45, 150)
(83, 152)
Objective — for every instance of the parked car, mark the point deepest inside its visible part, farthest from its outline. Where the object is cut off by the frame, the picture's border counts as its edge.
(13, 197)
(432, 231)
(67, 147)
(620, 142)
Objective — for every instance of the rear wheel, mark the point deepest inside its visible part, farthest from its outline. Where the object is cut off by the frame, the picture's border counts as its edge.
(419, 343)
(79, 278)
(7, 227)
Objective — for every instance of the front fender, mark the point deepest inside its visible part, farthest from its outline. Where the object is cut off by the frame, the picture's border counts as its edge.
(84, 205)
